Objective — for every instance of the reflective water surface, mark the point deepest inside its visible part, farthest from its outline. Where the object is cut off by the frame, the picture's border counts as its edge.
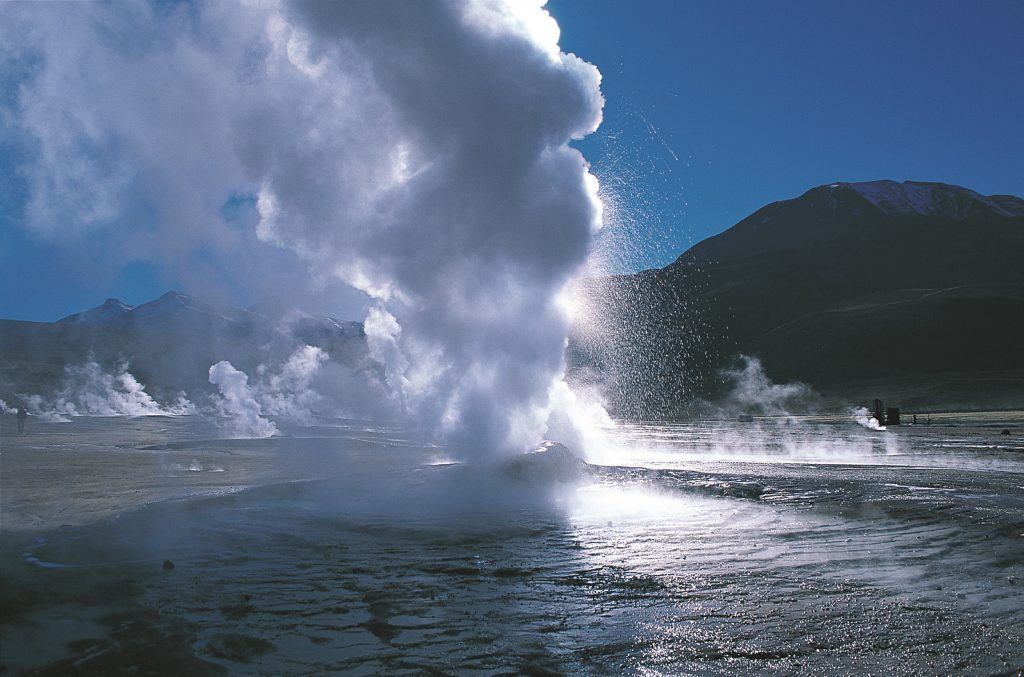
(715, 547)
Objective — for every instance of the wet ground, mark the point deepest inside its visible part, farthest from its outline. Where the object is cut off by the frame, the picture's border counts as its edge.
(149, 545)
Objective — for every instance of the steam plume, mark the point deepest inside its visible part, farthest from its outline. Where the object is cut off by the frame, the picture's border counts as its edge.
(754, 392)
(241, 414)
(863, 417)
(417, 151)
(288, 393)
(89, 390)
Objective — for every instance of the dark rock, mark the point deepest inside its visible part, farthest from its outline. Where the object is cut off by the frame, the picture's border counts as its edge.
(551, 461)
(238, 648)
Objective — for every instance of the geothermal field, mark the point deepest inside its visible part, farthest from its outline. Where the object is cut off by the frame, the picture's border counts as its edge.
(778, 546)
(428, 348)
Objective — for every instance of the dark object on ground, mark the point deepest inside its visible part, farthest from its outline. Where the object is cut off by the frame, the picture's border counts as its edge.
(745, 418)
(892, 416)
(1006, 431)
(168, 565)
(22, 417)
(238, 648)
(549, 462)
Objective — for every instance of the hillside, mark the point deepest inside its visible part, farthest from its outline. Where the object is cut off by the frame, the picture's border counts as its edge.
(169, 342)
(908, 291)
(912, 292)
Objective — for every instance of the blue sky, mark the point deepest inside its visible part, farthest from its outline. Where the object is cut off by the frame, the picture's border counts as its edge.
(713, 109)
(760, 101)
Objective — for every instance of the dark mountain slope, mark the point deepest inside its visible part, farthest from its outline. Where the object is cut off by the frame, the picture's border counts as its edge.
(848, 287)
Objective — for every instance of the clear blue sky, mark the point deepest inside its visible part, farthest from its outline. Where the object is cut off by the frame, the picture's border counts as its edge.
(714, 109)
(760, 101)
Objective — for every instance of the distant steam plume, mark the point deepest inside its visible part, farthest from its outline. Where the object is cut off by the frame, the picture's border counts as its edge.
(249, 408)
(240, 412)
(753, 392)
(863, 417)
(288, 393)
(90, 390)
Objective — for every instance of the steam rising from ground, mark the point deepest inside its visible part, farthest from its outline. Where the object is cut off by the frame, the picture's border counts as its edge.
(242, 408)
(240, 412)
(863, 417)
(89, 390)
(753, 392)
(282, 394)
(288, 392)
(417, 151)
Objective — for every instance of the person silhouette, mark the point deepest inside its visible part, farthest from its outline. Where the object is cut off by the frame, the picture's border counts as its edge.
(22, 417)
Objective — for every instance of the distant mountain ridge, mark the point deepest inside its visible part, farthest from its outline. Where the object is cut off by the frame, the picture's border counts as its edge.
(931, 199)
(177, 308)
(111, 310)
(170, 342)
(840, 210)
(851, 287)
(909, 291)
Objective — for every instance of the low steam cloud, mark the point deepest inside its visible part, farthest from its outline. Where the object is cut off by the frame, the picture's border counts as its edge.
(89, 390)
(242, 408)
(240, 412)
(753, 392)
(247, 409)
(863, 417)
(288, 393)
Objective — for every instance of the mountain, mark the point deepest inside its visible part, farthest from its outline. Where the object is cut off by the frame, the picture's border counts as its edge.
(912, 292)
(844, 212)
(172, 311)
(170, 342)
(110, 312)
(908, 291)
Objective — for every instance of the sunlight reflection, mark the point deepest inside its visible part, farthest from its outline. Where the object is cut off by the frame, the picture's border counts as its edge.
(601, 503)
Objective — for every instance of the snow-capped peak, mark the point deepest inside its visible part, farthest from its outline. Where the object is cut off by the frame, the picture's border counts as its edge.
(115, 305)
(926, 199)
(177, 304)
(109, 310)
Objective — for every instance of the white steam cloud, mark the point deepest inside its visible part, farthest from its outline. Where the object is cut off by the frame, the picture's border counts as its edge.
(754, 392)
(863, 417)
(418, 151)
(382, 335)
(240, 413)
(289, 393)
(89, 390)
(246, 410)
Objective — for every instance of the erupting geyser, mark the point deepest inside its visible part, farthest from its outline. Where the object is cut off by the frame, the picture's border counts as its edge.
(450, 195)
(418, 151)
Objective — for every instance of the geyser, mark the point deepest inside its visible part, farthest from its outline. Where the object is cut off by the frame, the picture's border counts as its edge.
(417, 151)
(462, 210)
